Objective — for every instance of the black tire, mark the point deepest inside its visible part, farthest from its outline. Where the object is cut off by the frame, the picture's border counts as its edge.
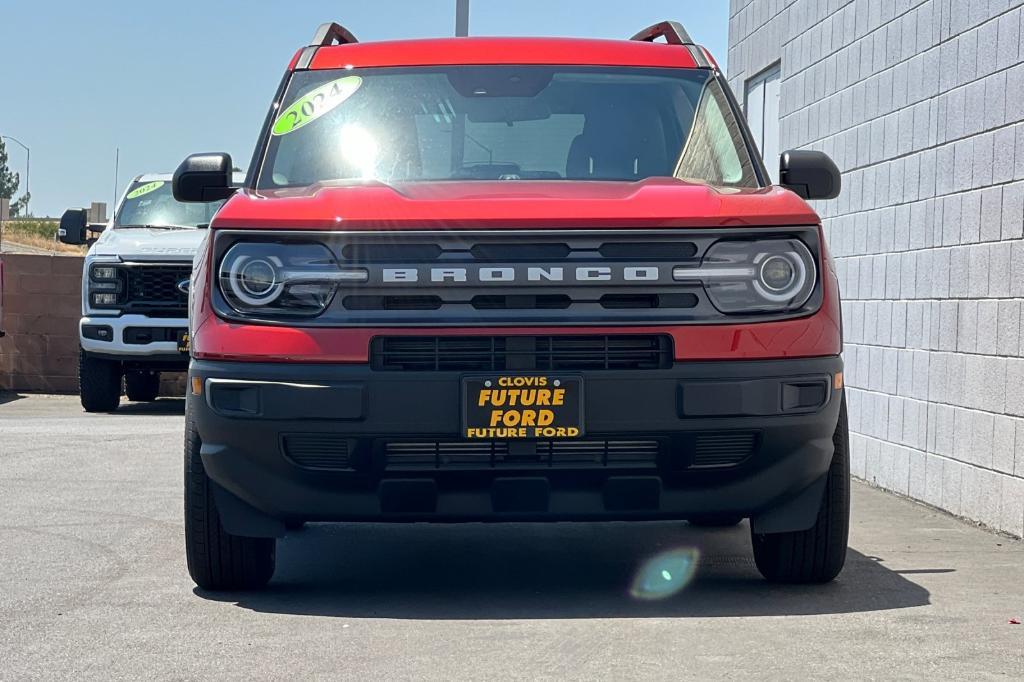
(216, 559)
(141, 385)
(99, 383)
(715, 520)
(815, 555)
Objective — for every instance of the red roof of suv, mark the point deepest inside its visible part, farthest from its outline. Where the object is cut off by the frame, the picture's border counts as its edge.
(449, 51)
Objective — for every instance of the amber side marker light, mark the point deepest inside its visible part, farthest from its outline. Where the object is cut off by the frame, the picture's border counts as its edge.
(838, 383)
(197, 386)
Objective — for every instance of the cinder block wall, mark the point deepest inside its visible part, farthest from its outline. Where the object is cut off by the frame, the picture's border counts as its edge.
(921, 104)
(41, 307)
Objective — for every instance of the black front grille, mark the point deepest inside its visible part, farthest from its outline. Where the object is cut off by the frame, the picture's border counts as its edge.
(575, 454)
(499, 353)
(153, 290)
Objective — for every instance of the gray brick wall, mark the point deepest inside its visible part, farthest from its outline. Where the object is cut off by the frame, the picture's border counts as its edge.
(921, 105)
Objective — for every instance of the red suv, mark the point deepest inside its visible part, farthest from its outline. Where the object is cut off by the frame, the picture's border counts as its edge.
(512, 279)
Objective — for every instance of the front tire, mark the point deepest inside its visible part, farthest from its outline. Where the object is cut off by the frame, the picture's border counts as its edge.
(142, 386)
(815, 555)
(99, 383)
(218, 560)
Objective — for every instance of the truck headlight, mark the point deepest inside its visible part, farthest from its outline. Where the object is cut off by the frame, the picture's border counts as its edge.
(103, 272)
(105, 286)
(282, 279)
(767, 275)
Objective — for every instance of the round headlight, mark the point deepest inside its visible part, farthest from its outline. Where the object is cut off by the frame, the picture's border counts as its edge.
(281, 278)
(755, 276)
(255, 281)
(777, 273)
(257, 277)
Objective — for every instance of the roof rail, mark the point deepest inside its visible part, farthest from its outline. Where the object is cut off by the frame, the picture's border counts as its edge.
(331, 33)
(672, 31)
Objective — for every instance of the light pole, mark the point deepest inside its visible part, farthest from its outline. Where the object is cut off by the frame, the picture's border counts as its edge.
(461, 18)
(28, 165)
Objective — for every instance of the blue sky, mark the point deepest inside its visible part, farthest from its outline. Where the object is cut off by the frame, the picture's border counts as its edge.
(163, 79)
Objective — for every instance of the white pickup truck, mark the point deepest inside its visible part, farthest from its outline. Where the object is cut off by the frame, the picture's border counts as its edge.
(135, 286)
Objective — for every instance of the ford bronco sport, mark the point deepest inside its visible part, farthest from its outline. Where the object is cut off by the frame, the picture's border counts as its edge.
(508, 279)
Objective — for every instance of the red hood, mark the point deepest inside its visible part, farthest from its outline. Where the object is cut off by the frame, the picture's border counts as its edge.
(655, 202)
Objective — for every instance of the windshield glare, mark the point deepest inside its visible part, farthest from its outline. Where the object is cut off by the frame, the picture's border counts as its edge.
(505, 123)
(150, 203)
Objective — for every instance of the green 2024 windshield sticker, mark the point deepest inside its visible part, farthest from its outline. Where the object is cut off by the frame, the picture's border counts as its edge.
(315, 104)
(145, 189)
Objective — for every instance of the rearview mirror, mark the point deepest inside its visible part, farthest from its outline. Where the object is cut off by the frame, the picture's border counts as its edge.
(203, 178)
(73, 225)
(812, 175)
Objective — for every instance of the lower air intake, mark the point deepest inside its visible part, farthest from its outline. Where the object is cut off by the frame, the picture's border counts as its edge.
(321, 451)
(722, 449)
(588, 454)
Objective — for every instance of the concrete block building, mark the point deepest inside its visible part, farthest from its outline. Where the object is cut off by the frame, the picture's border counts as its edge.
(921, 105)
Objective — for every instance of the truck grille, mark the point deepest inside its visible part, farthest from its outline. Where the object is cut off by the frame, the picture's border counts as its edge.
(585, 454)
(153, 289)
(545, 353)
(514, 277)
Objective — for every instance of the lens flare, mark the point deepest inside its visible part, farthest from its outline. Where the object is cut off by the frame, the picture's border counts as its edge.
(359, 148)
(665, 574)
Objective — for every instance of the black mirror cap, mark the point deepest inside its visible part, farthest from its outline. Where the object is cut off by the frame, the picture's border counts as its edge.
(812, 175)
(203, 178)
(73, 226)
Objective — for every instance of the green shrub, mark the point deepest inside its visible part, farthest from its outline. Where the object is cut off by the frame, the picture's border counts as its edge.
(47, 229)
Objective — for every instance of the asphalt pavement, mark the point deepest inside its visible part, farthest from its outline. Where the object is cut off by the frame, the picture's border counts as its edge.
(93, 585)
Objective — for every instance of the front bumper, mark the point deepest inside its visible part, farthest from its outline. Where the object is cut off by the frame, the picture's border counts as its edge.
(128, 337)
(325, 443)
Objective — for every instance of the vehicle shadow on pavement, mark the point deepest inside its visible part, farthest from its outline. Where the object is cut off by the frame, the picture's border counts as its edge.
(584, 570)
(9, 396)
(158, 406)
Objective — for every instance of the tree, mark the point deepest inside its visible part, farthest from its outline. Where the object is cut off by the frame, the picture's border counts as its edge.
(9, 184)
(8, 181)
(18, 207)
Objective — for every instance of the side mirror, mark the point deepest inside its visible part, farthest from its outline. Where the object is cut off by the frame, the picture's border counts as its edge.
(812, 175)
(203, 178)
(73, 225)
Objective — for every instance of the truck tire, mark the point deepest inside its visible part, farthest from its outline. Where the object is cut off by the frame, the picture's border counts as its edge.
(216, 559)
(99, 383)
(141, 385)
(815, 555)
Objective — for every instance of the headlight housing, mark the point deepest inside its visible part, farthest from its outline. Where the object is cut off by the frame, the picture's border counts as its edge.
(105, 286)
(282, 279)
(753, 276)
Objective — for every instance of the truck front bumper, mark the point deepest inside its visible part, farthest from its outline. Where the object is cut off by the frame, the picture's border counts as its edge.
(134, 338)
(288, 442)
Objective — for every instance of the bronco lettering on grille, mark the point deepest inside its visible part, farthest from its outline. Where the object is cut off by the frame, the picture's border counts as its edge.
(506, 274)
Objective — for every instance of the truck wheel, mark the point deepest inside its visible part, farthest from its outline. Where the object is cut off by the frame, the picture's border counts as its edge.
(216, 559)
(142, 386)
(815, 555)
(99, 383)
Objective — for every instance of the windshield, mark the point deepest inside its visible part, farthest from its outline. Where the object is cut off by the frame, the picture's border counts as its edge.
(505, 123)
(151, 204)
